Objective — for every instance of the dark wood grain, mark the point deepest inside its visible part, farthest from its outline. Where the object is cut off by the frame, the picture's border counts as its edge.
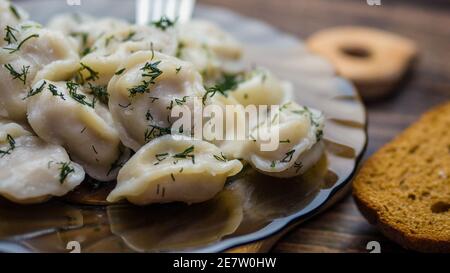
(342, 228)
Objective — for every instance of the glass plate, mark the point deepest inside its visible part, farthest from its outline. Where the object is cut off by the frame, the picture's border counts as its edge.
(250, 208)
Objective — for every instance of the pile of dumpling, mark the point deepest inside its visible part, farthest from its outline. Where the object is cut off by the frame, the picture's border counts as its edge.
(93, 96)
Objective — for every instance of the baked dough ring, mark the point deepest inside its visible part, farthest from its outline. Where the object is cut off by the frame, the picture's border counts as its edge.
(373, 59)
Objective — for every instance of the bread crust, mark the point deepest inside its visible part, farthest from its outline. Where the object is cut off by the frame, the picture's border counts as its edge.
(372, 188)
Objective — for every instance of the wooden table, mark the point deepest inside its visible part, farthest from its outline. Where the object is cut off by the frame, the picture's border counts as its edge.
(342, 228)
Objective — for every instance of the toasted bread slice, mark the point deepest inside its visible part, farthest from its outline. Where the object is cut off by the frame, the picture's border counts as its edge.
(404, 188)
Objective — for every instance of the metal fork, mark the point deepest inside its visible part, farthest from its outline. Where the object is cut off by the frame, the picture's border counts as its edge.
(153, 10)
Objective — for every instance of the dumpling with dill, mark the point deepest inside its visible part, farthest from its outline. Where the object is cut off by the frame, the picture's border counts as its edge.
(144, 93)
(174, 168)
(31, 170)
(32, 53)
(62, 113)
(300, 131)
(113, 47)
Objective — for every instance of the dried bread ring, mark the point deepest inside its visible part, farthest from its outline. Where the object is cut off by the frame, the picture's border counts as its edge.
(373, 59)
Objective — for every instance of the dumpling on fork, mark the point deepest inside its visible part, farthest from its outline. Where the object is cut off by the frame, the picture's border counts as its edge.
(300, 146)
(114, 47)
(212, 51)
(85, 28)
(174, 168)
(31, 170)
(62, 113)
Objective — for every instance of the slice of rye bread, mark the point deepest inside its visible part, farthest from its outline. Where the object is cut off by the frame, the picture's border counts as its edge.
(404, 188)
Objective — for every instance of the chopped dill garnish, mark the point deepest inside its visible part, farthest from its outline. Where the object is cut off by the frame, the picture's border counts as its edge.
(148, 115)
(228, 83)
(155, 131)
(129, 36)
(54, 90)
(108, 40)
(64, 171)
(12, 146)
(272, 164)
(119, 72)
(180, 48)
(211, 91)
(80, 98)
(178, 69)
(172, 176)
(12, 50)
(161, 157)
(14, 11)
(151, 71)
(38, 90)
(186, 154)
(95, 150)
(154, 99)
(285, 141)
(22, 75)
(298, 166)
(87, 51)
(164, 23)
(83, 35)
(221, 157)
(99, 92)
(288, 156)
(182, 101)
(9, 36)
(93, 75)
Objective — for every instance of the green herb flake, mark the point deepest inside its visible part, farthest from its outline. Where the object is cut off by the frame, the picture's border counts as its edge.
(64, 170)
(12, 50)
(186, 154)
(22, 75)
(33, 92)
(119, 72)
(164, 23)
(12, 146)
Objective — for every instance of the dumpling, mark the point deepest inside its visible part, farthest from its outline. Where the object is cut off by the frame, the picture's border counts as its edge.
(85, 29)
(300, 132)
(113, 47)
(212, 51)
(143, 95)
(10, 16)
(174, 168)
(261, 87)
(33, 53)
(31, 171)
(61, 113)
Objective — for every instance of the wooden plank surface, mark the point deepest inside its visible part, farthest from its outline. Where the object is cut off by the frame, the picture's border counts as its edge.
(342, 228)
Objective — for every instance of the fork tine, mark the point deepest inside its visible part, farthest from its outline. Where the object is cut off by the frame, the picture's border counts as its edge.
(170, 9)
(142, 11)
(186, 9)
(157, 11)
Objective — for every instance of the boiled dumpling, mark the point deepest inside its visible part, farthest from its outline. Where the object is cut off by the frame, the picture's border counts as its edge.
(10, 16)
(174, 168)
(85, 29)
(31, 170)
(261, 87)
(143, 95)
(109, 51)
(300, 147)
(33, 54)
(61, 113)
(212, 51)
